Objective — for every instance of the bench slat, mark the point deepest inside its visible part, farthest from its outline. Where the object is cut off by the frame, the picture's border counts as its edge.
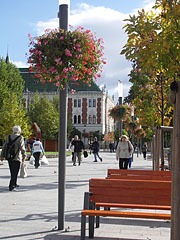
(135, 206)
(125, 214)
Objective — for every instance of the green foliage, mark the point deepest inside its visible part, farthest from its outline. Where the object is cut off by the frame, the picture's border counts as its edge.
(10, 81)
(45, 115)
(13, 113)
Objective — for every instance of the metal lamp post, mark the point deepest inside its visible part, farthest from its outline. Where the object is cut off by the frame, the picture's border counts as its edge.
(120, 95)
(63, 24)
(132, 116)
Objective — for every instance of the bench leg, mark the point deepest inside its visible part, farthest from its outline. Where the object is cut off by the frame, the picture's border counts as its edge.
(97, 218)
(83, 227)
(91, 221)
(91, 226)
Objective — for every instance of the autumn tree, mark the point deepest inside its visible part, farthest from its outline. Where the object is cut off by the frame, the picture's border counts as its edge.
(12, 113)
(152, 46)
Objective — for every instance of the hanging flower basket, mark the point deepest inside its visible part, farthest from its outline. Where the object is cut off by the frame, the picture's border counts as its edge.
(120, 112)
(60, 56)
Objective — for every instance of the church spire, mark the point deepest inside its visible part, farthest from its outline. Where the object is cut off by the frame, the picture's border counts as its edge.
(7, 57)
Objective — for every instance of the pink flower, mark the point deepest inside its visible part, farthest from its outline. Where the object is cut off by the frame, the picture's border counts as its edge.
(65, 70)
(58, 60)
(68, 53)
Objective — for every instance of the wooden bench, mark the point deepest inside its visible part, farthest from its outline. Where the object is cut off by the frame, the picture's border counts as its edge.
(139, 174)
(125, 193)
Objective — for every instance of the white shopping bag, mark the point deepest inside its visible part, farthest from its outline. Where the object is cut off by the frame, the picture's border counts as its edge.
(32, 160)
(44, 160)
(23, 170)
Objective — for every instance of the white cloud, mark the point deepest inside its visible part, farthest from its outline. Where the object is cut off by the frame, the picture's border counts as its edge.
(107, 23)
(20, 64)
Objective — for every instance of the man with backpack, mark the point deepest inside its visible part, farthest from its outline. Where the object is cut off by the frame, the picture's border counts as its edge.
(14, 151)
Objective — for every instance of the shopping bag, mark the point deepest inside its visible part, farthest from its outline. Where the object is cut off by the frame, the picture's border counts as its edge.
(32, 160)
(85, 154)
(23, 170)
(44, 160)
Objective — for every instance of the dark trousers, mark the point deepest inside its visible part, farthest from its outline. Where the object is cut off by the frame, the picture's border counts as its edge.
(14, 167)
(123, 163)
(144, 155)
(37, 157)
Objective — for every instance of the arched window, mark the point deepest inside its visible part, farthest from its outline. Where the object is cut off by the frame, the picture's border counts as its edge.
(75, 119)
(79, 119)
(90, 103)
(94, 102)
(90, 119)
(94, 119)
(75, 102)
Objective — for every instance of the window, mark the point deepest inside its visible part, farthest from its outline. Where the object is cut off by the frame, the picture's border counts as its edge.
(90, 119)
(79, 119)
(75, 119)
(94, 119)
(79, 102)
(94, 102)
(90, 103)
(75, 103)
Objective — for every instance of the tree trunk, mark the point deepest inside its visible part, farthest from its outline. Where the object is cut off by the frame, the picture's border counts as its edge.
(175, 212)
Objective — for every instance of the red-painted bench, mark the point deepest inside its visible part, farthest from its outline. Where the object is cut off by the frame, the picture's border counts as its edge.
(125, 193)
(139, 174)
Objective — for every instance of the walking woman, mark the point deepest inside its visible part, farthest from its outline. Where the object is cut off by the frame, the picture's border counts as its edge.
(124, 152)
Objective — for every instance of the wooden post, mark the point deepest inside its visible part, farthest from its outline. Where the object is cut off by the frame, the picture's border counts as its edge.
(175, 205)
(153, 151)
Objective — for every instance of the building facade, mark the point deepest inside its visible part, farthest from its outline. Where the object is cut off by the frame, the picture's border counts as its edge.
(88, 105)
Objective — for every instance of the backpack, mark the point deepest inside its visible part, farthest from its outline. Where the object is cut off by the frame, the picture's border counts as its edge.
(10, 149)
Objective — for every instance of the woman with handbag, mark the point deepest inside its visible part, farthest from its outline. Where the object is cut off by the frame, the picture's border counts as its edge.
(124, 152)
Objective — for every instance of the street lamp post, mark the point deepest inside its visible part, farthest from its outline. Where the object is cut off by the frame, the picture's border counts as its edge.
(132, 116)
(120, 95)
(63, 24)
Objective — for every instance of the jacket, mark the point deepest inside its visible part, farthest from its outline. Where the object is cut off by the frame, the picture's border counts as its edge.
(19, 148)
(95, 147)
(37, 147)
(78, 146)
(124, 149)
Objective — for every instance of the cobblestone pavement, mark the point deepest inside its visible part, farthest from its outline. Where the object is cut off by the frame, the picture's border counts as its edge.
(31, 212)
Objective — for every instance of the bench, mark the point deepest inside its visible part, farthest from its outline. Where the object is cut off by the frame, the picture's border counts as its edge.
(123, 194)
(139, 174)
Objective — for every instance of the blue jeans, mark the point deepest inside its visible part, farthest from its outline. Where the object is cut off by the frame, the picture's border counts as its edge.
(96, 154)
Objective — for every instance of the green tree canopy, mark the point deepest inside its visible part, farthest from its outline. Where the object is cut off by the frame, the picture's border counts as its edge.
(43, 112)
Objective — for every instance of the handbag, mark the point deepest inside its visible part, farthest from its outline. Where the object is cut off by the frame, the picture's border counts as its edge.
(32, 160)
(23, 170)
(85, 154)
(44, 160)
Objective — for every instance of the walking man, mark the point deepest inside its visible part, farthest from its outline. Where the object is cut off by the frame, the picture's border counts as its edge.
(15, 142)
(95, 148)
(78, 147)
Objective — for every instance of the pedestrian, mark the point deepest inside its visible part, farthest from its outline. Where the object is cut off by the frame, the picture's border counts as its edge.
(95, 149)
(71, 148)
(37, 149)
(124, 152)
(111, 147)
(78, 147)
(14, 145)
(144, 150)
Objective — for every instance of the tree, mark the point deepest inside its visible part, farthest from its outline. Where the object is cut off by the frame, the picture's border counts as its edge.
(152, 51)
(13, 113)
(45, 115)
(10, 81)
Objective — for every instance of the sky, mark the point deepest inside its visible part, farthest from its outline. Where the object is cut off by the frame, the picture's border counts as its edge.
(103, 17)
